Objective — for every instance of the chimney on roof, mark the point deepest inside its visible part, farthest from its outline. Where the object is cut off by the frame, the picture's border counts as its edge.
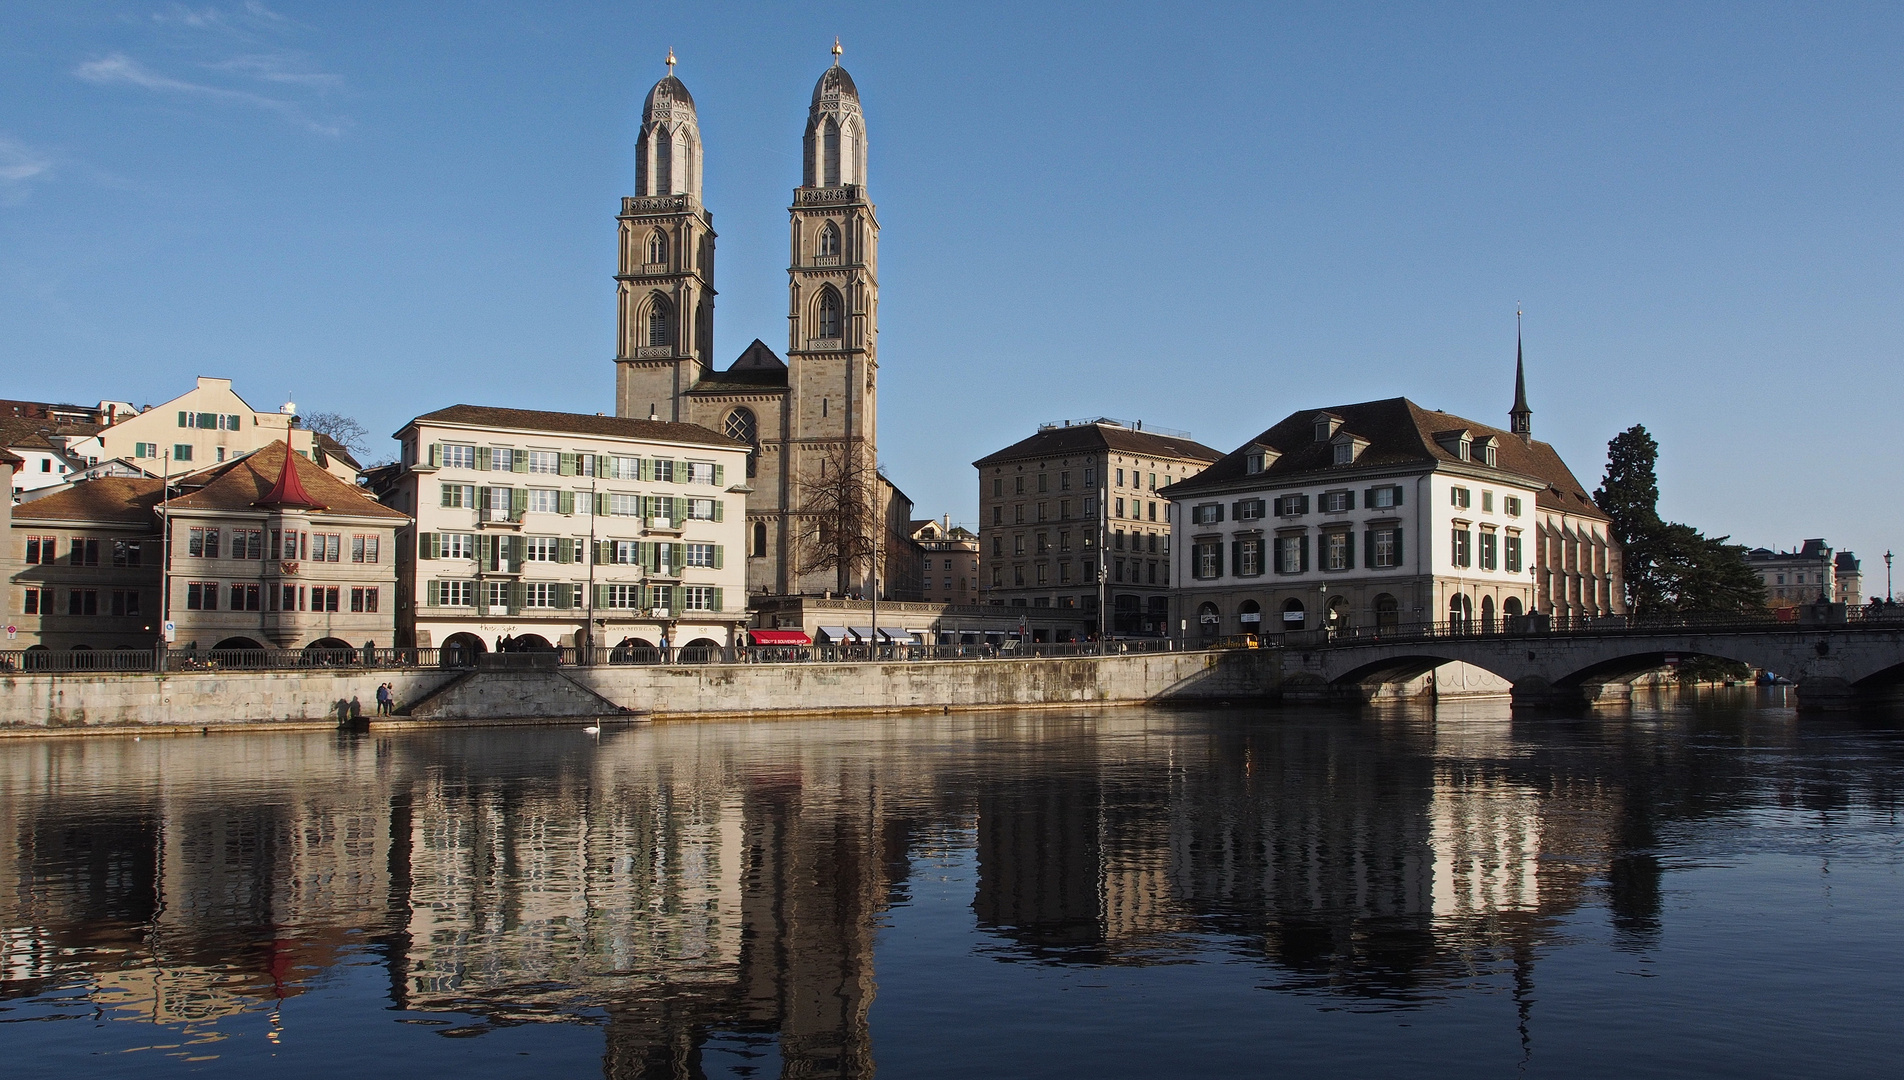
(1520, 418)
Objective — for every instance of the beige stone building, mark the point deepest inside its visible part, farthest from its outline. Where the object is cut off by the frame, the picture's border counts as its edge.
(810, 419)
(532, 527)
(265, 551)
(948, 562)
(1382, 514)
(1807, 573)
(1076, 514)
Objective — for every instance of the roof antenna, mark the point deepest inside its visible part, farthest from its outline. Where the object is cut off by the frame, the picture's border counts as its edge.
(836, 50)
(670, 61)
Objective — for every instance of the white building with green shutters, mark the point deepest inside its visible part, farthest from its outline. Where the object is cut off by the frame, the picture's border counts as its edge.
(546, 529)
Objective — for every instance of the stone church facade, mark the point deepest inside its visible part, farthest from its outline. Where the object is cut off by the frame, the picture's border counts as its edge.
(805, 416)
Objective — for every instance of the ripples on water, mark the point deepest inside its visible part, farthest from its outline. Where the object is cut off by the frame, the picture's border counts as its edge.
(1703, 886)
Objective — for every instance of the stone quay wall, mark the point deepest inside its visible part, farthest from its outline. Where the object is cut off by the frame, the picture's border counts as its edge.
(46, 703)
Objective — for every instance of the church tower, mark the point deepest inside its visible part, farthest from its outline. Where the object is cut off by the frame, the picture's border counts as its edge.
(1520, 418)
(665, 303)
(833, 279)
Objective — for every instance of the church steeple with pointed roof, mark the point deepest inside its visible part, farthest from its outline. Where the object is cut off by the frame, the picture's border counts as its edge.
(1520, 418)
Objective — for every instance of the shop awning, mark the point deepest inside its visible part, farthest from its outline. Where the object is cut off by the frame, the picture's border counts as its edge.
(834, 634)
(864, 633)
(780, 637)
(898, 635)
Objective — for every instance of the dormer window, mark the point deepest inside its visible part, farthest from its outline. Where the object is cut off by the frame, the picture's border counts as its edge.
(1483, 450)
(1344, 453)
(1347, 448)
(1253, 463)
(1457, 443)
(1326, 425)
(1258, 458)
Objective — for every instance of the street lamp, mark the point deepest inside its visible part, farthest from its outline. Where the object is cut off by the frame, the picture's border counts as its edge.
(1888, 595)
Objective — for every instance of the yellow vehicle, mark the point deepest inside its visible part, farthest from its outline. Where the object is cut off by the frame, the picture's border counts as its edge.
(1237, 641)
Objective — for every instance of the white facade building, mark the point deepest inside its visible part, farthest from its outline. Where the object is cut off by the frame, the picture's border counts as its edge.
(1383, 514)
(533, 527)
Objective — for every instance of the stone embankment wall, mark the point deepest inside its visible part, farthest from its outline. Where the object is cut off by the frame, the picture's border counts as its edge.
(39, 703)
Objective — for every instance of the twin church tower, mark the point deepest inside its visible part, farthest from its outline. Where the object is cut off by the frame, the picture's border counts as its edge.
(806, 415)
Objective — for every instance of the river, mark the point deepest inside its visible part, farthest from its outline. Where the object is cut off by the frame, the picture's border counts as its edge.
(1697, 885)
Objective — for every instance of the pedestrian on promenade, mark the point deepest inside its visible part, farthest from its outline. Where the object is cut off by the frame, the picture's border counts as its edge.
(383, 699)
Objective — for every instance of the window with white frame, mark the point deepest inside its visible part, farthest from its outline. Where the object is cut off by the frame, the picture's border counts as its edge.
(624, 552)
(545, 461)
(624, 505)
(621, 467)
(1458, 496)
(540, 548)
(496, 593)
(1511, 505)
(459, 496)
(1344, 453)
(456, 456)
(1289, 554)
(1460, 540)
(544, 500)
(1206, 513)
(502, 459)
(1382, 547)
(1335, 551)
(1249, 556)
(457, 593)
(700, 555)
(1249, 509)
(1207, 559)
(1386, 497)
(539, 594)
(1513, 553)
(664, 470)
(622, 597)
(457, 545)
(700, 472)
(1336, 502)
(700, 509)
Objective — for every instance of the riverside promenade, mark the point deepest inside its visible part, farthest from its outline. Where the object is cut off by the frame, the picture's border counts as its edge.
(527, 688)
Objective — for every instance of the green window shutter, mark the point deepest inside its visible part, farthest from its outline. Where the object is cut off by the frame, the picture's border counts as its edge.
(1302, 545)
(426, 546)
(720, 510)
(436, 455)
(720, 475)
(181, 420)
(564, 594)
(562, 549)
(601, 548)
(1305, 503)
(601, 596)
(1368, 548)
(1351, 498)
(234, 422)
(518, 503)
(601, 503)
(1398, 502)
(1236, 558)
(208, 421)
(679, 557)
(482, 499)
(1348, 554)
(519, 462)
(680, 510)
(565, 465)
(446, 494)
(720, 556)
(1398, 541)
(1368, 497)
(515, 597)
(646, 552)
(718, 606)
(517, 548)
(485, 457)
(565, 502)
(647, 469)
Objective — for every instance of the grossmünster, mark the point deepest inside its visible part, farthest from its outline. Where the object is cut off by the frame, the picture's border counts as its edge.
(807, 414)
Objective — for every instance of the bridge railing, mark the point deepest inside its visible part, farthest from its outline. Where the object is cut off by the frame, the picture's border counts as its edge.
(1536, 626)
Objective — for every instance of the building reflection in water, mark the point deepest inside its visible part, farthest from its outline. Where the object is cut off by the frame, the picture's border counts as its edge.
(694, 887)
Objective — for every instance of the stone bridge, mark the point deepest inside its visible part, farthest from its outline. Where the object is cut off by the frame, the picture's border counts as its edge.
(1832, 665)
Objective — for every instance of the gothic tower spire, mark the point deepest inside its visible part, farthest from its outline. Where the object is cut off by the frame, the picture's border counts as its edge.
(666, 265)
(1520, 418)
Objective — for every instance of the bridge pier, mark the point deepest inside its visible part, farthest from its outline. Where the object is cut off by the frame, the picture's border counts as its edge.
(1539, 693)
(1825, 694)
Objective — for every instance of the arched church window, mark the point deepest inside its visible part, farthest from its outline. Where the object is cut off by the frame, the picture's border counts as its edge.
(660, 323)
(664, 161)
(830, 177)
(743, 427)
(658, 247)
(760, 540)
(829, 314)
(829, 240)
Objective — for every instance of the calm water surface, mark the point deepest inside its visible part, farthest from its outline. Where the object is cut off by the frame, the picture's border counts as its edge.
(1694, 887)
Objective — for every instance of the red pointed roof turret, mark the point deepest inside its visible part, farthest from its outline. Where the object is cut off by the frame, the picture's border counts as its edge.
(289, 490)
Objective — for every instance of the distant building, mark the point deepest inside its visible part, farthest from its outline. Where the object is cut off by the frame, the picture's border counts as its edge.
(205, 426)
(1810, 572)
(949, 557)
(266, 550)
(1075, 501)
(531, 524)
(1385, 513)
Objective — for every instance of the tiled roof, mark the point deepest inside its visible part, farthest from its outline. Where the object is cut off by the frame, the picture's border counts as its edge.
(618, 427)
(1400, 433)
(9, 458)
(1093, 438)
(31, 433)
(109, 498)
(241, 484)
(757, 367)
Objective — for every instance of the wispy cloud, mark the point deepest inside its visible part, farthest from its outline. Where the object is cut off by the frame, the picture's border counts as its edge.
(21, 166)
(231, 55)
(120, 69)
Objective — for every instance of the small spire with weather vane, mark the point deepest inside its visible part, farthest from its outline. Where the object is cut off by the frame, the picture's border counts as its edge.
(670, 61)
(837, 51)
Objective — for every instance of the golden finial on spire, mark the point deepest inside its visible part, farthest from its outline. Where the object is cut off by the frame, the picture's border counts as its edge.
(837, 51)
(670, 61)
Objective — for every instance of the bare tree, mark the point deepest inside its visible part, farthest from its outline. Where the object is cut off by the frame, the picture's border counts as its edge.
(339, 428)
(839, 515)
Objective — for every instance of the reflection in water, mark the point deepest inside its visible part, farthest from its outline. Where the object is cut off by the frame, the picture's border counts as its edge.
(700, 888)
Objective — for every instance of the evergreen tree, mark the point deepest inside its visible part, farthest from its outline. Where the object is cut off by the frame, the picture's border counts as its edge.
(1669, 568)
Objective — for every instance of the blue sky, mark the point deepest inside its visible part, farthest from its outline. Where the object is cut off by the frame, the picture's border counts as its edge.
(1204, 217)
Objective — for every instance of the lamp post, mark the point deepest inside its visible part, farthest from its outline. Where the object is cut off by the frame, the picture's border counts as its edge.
(1888, 595)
